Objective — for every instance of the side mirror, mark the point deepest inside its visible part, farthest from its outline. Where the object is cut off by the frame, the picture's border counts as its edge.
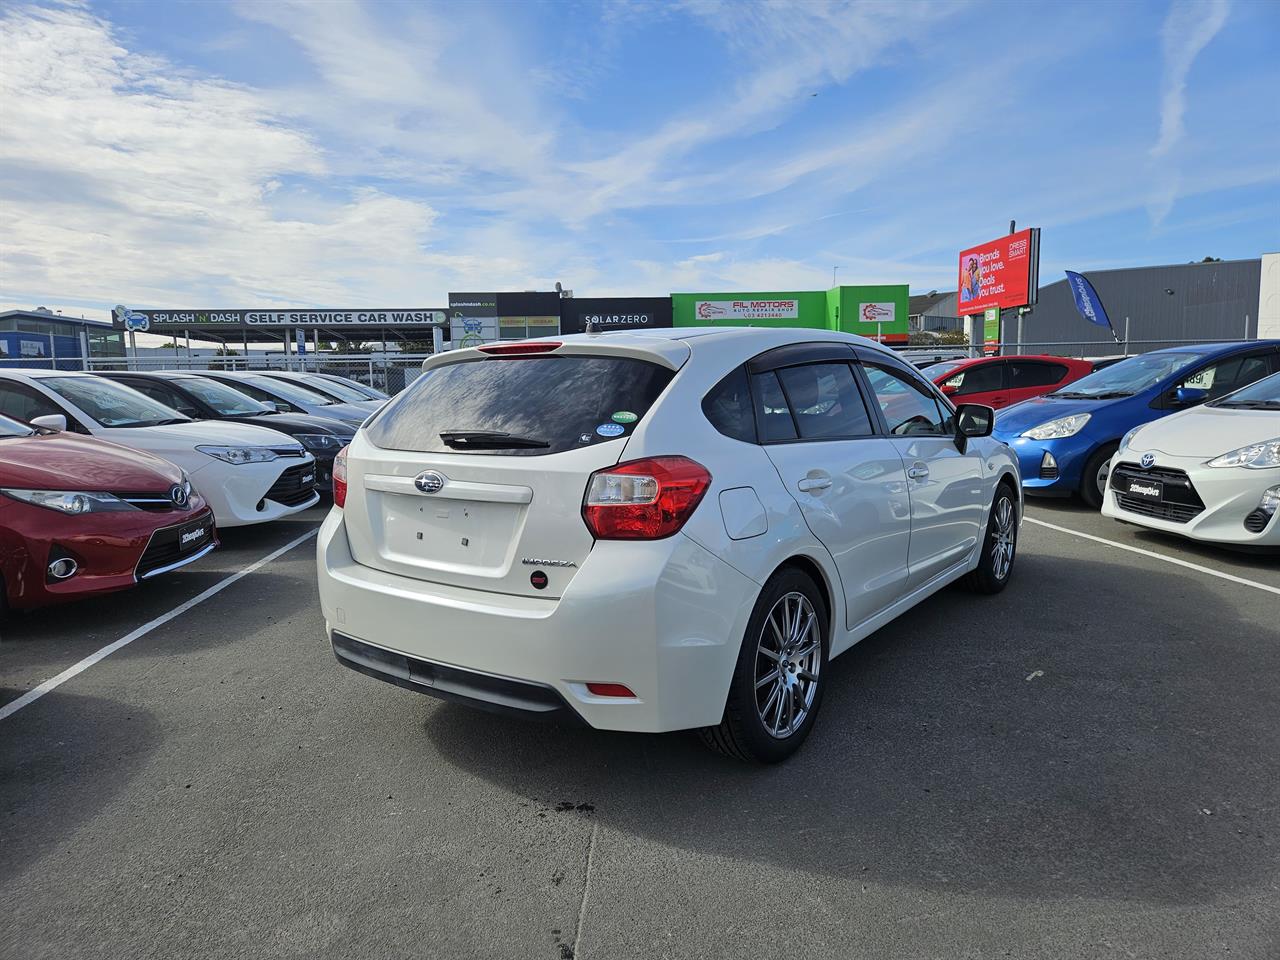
(1190, 396)
(52, 421)
(974, 420)
(949, 390)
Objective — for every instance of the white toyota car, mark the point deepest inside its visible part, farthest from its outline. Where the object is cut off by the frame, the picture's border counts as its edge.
(247, 474)
(1210, 473)
(657, 530)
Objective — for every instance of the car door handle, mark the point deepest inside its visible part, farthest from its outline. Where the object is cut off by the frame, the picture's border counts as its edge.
(810, 484)
(918, 472)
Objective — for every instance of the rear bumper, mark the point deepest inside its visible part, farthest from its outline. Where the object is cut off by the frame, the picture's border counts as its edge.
(664, 617)
(481, 690)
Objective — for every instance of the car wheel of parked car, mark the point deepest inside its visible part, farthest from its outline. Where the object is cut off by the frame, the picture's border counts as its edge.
(1094, 482)
(777, 685)
(999, 547)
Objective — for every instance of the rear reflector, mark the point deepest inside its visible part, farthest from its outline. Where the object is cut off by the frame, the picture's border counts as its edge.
(644, 499)
(609, 690)
(519, 349)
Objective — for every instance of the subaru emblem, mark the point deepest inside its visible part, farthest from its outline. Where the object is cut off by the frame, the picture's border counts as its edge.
(1148, 460)
(178, 494)
(429, 482)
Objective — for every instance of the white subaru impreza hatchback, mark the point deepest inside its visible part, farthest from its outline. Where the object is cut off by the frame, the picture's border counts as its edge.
(657, 530)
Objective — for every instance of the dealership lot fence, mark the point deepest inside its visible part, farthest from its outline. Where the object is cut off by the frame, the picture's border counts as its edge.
(393, 373)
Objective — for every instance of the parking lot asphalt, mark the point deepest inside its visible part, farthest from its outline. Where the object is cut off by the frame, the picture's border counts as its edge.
(1087, 765)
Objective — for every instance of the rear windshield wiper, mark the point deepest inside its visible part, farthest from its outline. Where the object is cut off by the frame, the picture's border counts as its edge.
(489, 440)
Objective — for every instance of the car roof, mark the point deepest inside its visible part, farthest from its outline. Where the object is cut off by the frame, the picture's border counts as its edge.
(39, 373)
(1214, 349)
(762, 337)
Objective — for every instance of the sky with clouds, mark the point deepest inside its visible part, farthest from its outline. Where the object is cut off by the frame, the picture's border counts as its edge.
(252, 154)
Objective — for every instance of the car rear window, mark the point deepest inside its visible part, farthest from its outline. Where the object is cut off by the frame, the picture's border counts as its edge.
(563, 402)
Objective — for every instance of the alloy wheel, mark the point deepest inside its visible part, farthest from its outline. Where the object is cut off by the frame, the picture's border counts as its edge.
(1004, 540)
(788, 660)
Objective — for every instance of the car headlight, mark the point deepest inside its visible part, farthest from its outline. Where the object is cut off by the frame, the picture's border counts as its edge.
(1127, 439)
(321, 442)
(70, 501)
(240, 454)
(1256, 456)
(1056, 429)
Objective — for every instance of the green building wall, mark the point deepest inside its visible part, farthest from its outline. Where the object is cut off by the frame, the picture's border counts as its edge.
(835, 309)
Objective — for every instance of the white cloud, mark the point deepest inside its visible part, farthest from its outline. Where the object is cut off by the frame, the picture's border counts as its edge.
(130, 179)
(1188, 29)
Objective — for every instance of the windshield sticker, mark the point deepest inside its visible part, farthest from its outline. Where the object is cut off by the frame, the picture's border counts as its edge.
(624, 416)
(609, 429)
(584, 438)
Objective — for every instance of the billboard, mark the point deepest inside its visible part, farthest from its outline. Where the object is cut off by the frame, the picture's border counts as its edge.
(473, 319)
(124, 318)
(1003, 273)
(614, 313)
(746, 309)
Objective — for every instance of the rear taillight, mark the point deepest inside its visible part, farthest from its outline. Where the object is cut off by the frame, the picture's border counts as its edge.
(340, 478)
(644, 499)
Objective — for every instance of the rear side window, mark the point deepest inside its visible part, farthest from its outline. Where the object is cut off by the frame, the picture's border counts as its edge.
(983, 378)
(541, 404)
(728, 407)
(772, 411)
(1031, 374)
(825, 401)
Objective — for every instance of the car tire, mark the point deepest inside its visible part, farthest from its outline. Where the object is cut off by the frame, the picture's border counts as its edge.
(1093, 484)
(770, 709)
(999, 546)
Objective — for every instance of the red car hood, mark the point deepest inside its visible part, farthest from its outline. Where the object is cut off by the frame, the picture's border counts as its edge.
(65, 461)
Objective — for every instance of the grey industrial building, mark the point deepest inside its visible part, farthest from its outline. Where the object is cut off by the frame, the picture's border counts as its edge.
(1176, 303)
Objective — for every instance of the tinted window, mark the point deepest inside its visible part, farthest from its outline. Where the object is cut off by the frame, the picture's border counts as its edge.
(1227, 375)
(226, 401)
(909, 408)
(984, 378)
(772, 412)
(564, 402)
(292, 392)
(338, 391)
(164, 394)
(825, 401)
(728, 407)
(23, 403)
(1026, 373)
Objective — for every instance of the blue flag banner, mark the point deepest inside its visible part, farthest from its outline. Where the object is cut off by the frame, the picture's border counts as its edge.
(1088, 302)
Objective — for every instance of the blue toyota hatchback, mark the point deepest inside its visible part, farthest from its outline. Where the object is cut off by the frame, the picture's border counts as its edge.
(1065, 440)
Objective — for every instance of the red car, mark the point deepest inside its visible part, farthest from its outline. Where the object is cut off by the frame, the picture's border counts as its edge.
(80, 516)
(1002, 381)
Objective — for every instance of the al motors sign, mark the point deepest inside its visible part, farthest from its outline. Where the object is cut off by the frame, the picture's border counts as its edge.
(713, 310)
(1002, 273)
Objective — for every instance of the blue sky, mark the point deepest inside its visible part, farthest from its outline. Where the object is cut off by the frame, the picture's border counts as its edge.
(329, 154)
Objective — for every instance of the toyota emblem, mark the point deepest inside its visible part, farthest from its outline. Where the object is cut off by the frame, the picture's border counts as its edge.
(429, 482)
(1148, 460)
(178, 494)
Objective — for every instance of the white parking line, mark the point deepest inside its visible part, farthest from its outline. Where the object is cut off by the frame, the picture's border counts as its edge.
(35, 693)
(1159, 556)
